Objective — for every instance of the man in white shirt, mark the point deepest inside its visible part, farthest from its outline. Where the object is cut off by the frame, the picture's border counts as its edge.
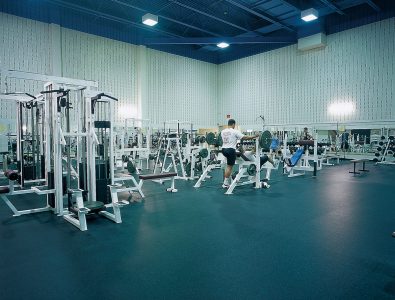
(230, 136)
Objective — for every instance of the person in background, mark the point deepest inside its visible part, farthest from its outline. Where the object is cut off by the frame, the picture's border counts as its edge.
(306, 136)
(275, 145)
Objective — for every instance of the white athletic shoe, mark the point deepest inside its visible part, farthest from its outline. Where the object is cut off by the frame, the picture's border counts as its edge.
(225, 185)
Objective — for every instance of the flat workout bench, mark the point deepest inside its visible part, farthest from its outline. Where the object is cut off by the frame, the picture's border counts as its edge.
(161, 176)
(363, 161)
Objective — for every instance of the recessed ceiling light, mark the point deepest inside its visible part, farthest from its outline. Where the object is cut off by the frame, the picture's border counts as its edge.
(222, 45)
(150, 19)
(309, 15)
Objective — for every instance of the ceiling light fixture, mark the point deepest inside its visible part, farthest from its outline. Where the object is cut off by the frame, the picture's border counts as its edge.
(222, 45)
(150, 19)
(309, 15)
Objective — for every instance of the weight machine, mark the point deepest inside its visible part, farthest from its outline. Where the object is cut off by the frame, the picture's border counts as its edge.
(385, 151)
(94, 157)
(135, 142)
(29, 177)
(249, 171)
(170, 148)
(302, 163)
(76, 152)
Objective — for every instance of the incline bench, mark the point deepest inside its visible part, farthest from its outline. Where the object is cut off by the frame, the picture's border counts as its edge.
(162, 176)
(363, 161)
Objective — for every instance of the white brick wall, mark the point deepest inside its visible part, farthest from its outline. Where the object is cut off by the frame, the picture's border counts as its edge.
(180, 88)
(166, 86)
(284, 85)
(290, 87)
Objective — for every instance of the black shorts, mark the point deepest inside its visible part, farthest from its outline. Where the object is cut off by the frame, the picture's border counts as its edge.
(263, 160)
(230, 155)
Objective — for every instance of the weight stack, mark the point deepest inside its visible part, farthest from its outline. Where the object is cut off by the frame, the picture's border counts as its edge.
(102, 180)
(51, 185)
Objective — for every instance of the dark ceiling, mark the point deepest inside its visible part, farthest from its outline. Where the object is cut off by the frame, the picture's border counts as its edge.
(192, 28)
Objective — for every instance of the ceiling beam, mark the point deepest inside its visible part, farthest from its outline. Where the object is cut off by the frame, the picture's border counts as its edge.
(270, 19)
(373, 5)
(293, 4)
(257, 3)
(332, 6)
(209, 15)
(108, 17)
(216, 40)
(189, 25)
(165, 18)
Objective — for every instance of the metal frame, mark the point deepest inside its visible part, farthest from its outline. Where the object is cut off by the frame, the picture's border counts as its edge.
(55, 137)
(242, 173)
(303, 164)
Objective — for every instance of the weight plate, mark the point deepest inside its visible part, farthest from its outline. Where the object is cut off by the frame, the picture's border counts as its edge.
(203, 153)
(210, 138)
(265, 139)
(251, 170)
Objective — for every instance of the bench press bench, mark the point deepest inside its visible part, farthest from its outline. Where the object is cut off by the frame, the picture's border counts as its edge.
(363, 161)
(161, 177)
(326, 160)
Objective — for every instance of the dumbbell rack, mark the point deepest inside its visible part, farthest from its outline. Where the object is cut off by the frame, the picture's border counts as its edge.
(385, 146)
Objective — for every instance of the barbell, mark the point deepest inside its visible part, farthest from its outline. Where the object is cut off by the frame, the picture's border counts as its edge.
(265, 139)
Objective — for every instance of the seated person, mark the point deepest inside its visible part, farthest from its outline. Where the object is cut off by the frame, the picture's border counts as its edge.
(263, 159)
(293, 160)
(306, 136)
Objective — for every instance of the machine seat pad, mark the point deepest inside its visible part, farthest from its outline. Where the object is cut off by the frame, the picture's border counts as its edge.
(157, 176)
(4, 189)
(94, 206)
